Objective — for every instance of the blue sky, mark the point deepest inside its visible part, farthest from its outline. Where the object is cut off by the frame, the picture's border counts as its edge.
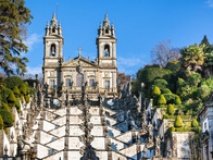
(140, 25)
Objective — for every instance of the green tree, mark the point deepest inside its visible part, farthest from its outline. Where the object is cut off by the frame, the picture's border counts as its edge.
(205, 41)
(203, 92)
(160, 82)
(174, 66)
(14, 17)
(194, 79)
(208, 63)
(181, 82)
(192, 57)
(178, 122)
(148, 74)
(170, 97)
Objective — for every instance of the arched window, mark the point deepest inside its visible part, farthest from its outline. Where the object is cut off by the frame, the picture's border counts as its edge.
(79, 80)
(107, 31)
(106, 51)
(92, 82)
(53, 50)
(53, 30)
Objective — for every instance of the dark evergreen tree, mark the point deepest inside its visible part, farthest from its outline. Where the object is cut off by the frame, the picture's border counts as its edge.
(13, 19)
(205, 41)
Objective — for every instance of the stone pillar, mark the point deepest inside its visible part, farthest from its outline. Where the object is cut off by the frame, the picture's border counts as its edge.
(114, 82)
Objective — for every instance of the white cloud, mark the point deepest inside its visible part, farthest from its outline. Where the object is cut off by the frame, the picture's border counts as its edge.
(209, 3)
(34, 70)
(129, 65)
(32, 40)
(128, 62)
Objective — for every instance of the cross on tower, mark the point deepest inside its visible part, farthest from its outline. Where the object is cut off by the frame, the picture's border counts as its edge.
(79, 51)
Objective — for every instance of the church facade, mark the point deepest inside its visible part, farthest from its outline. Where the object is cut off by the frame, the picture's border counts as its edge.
(99, 75)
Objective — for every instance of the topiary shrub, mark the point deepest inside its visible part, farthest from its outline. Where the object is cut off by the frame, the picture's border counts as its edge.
(194, 123)
(7, 117)
(156, 91)
(161, 100)
(177, 100)
(23, 89)
(178, 122)
(5, 93)
(13, 81)
(17, 104)
(22, 99)
(1, 123)
(16, 91)
(171, 109)
(27, 98)
(5, 106)
(11, 99)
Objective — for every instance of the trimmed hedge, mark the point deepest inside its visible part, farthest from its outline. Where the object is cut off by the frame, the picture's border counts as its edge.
(23, 89)
(16, 91)
(17, 104)
(171, 109)
(11, 82)
(156, 91)
(178, 122)
(161, 100)
(1, 123)
(7, 117)
(194, 123)
(177, 100)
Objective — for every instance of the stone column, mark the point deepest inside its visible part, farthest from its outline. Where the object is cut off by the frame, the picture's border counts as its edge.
(114, 82)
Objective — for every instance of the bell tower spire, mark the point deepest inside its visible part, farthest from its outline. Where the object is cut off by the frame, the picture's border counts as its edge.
(53, 51)
(106, 43)
(107, 62)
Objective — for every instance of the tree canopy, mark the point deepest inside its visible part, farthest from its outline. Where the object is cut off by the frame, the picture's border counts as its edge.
(186, 82)
(14, 17)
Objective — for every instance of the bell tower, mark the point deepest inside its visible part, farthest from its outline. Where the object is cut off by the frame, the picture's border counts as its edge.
(106, 44)
(53, 56)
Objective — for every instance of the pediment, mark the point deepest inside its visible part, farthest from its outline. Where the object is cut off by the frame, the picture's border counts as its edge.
(79, 62)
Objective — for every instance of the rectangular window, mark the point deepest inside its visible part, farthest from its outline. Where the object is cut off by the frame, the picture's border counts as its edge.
(107, 84)
(52, 83)
(92, 82)
(68, 82)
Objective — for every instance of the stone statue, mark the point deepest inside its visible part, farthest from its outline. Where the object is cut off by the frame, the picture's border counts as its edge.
(157, 146)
